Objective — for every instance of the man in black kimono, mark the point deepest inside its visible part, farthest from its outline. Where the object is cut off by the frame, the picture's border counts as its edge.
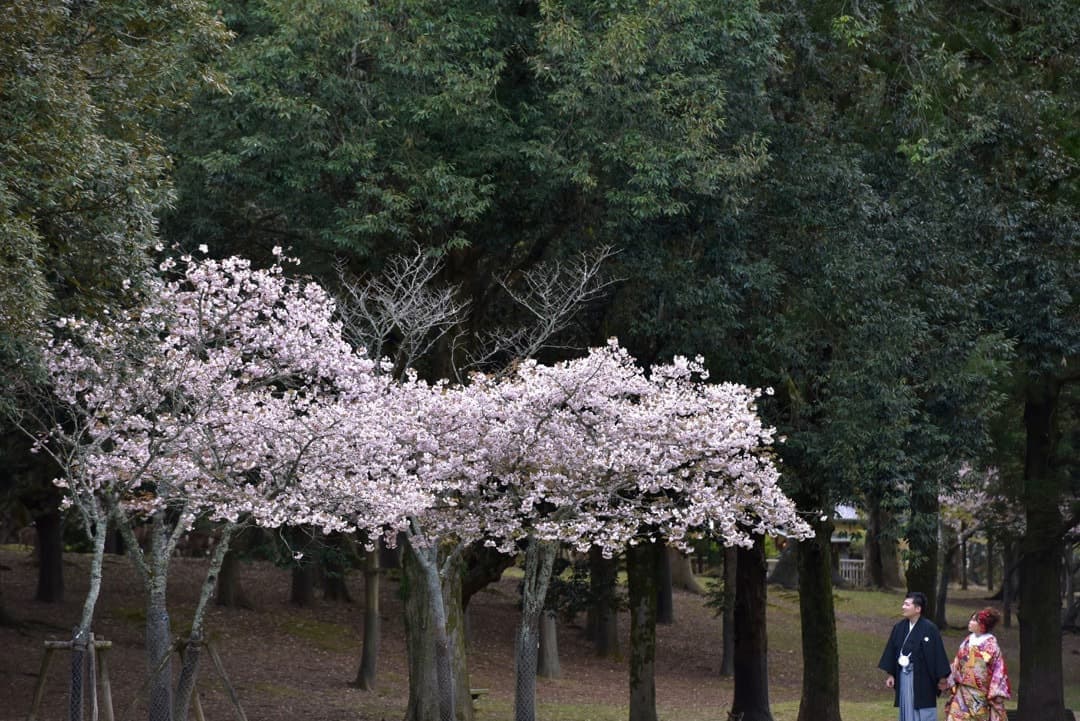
(914, 659)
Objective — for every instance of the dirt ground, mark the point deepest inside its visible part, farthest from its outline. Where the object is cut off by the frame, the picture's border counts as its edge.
(288, 663)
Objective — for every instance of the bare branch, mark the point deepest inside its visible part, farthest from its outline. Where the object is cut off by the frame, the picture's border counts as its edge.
(551, 294)
(400, 307)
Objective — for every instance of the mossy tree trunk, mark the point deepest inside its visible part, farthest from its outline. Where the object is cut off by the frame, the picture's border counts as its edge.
(821, 661)
(419, 641)
(547, 664)
(438, 677)
(642, 567)
(452, 578)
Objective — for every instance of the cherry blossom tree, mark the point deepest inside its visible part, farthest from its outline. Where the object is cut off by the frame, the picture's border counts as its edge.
(229, 394)
(975, 505)
(401, 313)
(594, 451)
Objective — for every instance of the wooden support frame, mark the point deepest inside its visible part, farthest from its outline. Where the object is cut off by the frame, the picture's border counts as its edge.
(99, 675)
(98, 666)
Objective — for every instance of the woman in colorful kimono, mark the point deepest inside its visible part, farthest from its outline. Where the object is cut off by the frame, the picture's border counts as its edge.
(980, 682)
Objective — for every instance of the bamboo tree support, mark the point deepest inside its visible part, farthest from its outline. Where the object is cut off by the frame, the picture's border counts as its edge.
(225, 680)
(91, 662)
(196, 703)
(99, 672)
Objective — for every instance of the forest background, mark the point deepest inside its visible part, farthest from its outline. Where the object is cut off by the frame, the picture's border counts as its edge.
(870, 207)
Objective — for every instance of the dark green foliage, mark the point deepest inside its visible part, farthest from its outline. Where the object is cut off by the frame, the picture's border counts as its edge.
(82, 177)
(503, 132)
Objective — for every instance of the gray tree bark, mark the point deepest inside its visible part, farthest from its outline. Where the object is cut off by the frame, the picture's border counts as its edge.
(547, 665)
(159, 646)
(539, 561)
(419, 639)
(192, 653)
(438, 677)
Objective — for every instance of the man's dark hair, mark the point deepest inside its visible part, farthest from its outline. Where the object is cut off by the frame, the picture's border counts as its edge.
(918, 598)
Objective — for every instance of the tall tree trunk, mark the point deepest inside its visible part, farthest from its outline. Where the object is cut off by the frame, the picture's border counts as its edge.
(335, 566)
(880, 553)
(483, 566)
(539, 561)
(682, 572)
(872, 552)
(949, 546)
(786, 570)
(369, 656)
(665, 602)
(821, 661)
(420, 643)
(390, 556)
(81, 635)
(963, 557)
(230, 592)
(751, 697)
(159, 645)
(1008, 585)
(452, 592)
(642, 565)
(50, 555)
(192, 653)
(159, 641)
(547, 665)
(990, 559)
(1041, 674)
(922, 541)
(302, 585)
(727, 624)
(602, 624)
(434, 626)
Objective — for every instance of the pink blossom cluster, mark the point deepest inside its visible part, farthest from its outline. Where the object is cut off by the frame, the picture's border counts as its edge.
(232, 393)
(977, 501)
(595, 451)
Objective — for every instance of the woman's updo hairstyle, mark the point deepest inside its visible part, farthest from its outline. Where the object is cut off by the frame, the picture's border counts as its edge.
(988, 618)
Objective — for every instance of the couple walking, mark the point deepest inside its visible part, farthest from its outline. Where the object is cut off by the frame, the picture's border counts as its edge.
(918, 669)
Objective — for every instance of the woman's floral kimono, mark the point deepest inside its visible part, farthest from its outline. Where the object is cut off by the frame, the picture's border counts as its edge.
(981, 682)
